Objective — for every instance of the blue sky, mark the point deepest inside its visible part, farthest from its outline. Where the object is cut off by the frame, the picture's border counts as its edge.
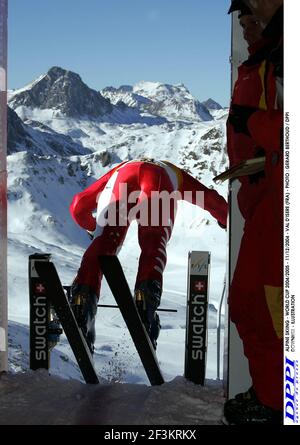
(117, 42)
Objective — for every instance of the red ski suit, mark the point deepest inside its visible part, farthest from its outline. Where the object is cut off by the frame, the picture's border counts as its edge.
(256, 292)
(143, 180)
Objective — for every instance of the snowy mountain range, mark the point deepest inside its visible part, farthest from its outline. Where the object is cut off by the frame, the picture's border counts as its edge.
(62, 135)
(171, 102)
(64, 93)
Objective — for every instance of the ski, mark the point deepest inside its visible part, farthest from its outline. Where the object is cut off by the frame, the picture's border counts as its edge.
(196, 317)
(117, 282)
(45, 282)
(39, 356)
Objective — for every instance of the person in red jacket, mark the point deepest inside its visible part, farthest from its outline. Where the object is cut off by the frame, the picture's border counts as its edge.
(247, 90)
(256, 291)
(145, 191)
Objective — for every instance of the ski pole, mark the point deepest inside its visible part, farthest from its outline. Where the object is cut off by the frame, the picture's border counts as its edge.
(114, 306)
(68, 288)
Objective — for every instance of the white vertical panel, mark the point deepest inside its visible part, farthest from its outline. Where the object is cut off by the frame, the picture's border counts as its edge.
(236, 371)
(3, 186)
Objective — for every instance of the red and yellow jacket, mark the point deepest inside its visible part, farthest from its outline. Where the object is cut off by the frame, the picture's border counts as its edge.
(259, 86)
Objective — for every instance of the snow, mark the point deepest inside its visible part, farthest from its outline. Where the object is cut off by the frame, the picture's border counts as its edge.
(72, 403)
(171, 102)
(40, 191)
(219, 114)
(39, 398)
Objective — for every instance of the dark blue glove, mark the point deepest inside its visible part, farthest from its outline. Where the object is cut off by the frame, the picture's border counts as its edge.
(238, 117)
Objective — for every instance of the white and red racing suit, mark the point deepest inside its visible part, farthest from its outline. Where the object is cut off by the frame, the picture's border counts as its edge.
(127, 192)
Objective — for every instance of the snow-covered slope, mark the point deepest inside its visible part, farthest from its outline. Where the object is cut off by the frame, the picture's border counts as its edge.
(42, 181)
(35, 137)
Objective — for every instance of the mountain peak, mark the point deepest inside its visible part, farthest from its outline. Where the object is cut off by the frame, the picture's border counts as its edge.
(56, 72)
(172, 101)
(211, 104)
(158, 89)
(62, 90)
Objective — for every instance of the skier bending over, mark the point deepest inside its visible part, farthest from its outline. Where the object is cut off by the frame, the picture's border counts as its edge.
(142, 190)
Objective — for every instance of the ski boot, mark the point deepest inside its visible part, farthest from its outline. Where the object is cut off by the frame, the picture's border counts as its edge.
(147, 299)
(84, 305)
(54, 330)
(245, 408)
